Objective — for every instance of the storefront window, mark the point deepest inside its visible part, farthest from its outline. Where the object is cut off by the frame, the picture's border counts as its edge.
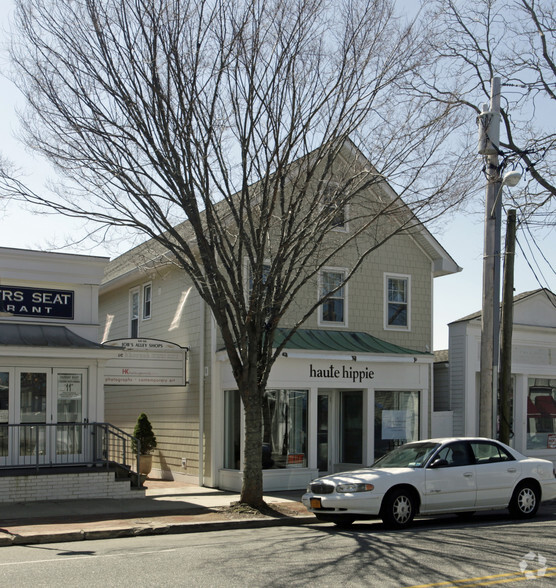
(285, 428)
(232, 426)
(396, 419)
(351, 427)
(541, 413)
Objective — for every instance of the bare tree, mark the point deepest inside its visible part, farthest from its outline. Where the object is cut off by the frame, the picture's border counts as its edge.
(470, 43)
(232, 130)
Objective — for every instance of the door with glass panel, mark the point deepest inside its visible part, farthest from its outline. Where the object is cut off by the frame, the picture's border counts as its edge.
(69, 392)
(33, 410)
(49, 412)
(324, 432)
(5, 448)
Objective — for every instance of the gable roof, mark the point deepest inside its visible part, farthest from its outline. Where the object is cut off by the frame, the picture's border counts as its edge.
(150, 254)
(524, 296)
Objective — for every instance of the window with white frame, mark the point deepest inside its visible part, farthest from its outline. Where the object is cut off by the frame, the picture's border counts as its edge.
(336, 209)
(334, 309)
(134, 313)
(397, 302)
(147, 301)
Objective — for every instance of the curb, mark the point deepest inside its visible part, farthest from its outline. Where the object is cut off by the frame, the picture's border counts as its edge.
(8, 539)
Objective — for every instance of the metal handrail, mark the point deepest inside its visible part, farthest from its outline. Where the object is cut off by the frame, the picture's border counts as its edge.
(47, 445)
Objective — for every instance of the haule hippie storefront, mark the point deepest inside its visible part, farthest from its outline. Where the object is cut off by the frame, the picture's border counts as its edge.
(335, 401)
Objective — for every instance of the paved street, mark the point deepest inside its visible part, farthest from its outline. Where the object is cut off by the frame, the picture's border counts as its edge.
(435, 552)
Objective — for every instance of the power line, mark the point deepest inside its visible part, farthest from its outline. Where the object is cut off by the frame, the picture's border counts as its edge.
(528, 237)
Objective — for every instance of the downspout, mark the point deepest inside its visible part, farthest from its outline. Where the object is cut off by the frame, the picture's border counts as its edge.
(201, 390)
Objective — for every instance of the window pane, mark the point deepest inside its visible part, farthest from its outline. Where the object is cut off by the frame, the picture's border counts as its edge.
(541, 413)
(32, 439)
(396, 419)
(333, 309)
(147, 290)
(397, 302)
(33, 397)
(332, 207)
(232, 425)
(134, 315)
(397, 290)
(351, 430)
(70, 396)
(4, 396)
(397, 314)
(285, 428)
(4, 407)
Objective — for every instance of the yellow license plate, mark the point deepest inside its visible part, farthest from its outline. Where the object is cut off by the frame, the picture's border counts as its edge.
(316, 503)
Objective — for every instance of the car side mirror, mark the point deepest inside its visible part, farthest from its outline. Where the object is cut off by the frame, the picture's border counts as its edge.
(439, 463)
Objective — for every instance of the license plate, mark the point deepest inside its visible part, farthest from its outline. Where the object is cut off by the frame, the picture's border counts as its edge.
(316, 503)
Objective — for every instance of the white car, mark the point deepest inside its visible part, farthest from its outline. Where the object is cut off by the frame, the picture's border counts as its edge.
(455, 475)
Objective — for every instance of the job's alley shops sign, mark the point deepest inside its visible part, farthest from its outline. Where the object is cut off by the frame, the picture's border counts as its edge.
(37, 302)
(341, 372)
(146, 362)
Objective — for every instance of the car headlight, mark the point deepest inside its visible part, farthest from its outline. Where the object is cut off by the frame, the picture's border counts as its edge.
(345, 488)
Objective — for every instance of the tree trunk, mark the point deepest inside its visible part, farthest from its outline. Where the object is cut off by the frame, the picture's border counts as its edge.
(252, 486)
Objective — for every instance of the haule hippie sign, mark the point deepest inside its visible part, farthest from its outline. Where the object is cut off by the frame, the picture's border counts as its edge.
(342, 372)
(146, 362)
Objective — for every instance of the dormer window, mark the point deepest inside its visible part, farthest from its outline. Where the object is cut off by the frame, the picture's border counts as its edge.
(337, 210)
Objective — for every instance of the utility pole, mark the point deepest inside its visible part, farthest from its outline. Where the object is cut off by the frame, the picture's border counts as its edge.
(507, 330)
(489, 133)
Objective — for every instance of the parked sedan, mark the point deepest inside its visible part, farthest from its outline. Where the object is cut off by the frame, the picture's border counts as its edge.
(455, 475)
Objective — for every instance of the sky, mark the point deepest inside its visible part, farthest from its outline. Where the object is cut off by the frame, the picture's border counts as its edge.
(455, 296)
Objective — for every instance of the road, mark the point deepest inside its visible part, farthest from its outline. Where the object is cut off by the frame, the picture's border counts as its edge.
(434, 552)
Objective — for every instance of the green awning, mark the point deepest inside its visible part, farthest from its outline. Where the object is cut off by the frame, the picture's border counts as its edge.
(348, 341)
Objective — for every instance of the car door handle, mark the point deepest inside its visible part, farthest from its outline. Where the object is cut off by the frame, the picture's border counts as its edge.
(512, 470)
(468, 475)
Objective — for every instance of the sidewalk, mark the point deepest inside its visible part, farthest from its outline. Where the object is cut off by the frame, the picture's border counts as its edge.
(168, 507)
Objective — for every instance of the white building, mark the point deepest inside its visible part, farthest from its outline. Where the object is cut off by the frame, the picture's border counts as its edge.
(533, 374)
(52, 378)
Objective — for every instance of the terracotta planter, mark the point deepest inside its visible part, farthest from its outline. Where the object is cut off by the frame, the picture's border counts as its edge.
(145, 464)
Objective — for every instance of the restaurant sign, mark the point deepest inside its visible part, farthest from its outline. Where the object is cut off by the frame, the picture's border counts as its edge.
(37, 302)
(146, 362)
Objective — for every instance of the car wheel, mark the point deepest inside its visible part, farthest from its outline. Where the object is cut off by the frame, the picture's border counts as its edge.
(398, 509)
(525, 500)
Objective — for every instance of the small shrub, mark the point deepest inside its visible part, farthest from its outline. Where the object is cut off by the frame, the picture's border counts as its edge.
(144, 432)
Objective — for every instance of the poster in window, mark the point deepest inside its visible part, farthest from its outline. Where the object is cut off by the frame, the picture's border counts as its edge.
(396, 424)
(69, 386)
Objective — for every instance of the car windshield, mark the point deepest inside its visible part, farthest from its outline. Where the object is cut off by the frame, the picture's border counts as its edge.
(414, 455)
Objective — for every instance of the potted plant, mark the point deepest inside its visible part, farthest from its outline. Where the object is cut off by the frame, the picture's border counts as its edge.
(143, 432)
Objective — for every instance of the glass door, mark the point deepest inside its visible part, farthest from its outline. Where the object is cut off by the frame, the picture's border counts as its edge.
(32, 409)
(4, 416)
(324, 457)
(351, 427)
(70, 398)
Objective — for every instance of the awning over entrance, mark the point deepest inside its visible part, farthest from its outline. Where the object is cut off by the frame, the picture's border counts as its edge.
(351, 341)
(17, 335)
